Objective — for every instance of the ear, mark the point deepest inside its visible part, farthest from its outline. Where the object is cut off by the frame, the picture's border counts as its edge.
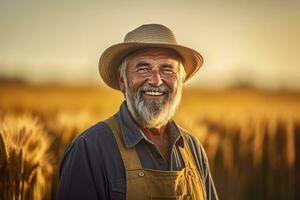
(122, 84)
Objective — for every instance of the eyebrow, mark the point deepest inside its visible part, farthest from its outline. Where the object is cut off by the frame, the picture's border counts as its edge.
(167, 65)
(140, 64)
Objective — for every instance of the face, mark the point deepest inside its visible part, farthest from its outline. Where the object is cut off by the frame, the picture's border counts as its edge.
(152, 85)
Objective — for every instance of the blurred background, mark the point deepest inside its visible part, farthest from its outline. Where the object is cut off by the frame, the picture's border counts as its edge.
(243, 104)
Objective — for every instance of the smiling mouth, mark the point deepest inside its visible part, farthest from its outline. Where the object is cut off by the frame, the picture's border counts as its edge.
(154, 93)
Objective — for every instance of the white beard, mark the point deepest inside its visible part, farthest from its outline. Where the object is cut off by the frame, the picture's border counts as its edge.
(152, 113)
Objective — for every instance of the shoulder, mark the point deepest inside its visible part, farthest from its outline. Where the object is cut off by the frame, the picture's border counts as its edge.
(91, 143)
(96, 147)
(192, 140)
(86, 165)
(97, 133)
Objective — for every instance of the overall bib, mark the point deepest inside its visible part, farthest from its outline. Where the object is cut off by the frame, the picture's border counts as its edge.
(144, 184)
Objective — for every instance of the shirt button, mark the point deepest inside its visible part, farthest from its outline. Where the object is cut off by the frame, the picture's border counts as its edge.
(190, 173)
(141, 174)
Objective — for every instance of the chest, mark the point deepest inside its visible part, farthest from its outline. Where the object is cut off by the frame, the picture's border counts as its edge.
(163, 147)
(153, 157)
(161, 144)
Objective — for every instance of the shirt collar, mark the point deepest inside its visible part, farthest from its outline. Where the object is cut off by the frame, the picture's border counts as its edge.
(132, 134)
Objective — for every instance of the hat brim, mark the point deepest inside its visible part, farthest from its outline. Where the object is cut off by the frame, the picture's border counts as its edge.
(112, 57)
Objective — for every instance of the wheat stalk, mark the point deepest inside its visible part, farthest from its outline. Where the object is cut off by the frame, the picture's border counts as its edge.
(24, 145)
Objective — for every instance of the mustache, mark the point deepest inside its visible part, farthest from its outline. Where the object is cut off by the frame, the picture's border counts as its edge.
(163, 88)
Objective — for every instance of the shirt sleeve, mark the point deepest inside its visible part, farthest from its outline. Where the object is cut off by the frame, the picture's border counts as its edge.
(201, 161)
(77, 174)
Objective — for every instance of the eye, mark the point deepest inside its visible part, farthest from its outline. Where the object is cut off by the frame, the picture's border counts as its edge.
(142, 69)
(167, 70)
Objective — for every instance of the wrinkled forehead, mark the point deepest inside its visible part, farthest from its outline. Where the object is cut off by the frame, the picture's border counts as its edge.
(155, 53)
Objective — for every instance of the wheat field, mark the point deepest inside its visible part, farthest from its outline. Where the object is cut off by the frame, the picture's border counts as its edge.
(251, 137)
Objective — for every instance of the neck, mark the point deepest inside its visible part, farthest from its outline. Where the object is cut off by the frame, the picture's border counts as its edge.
(155, 134)
(160, 139)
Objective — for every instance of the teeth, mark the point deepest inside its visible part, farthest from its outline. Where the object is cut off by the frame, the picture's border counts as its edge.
(152, 93)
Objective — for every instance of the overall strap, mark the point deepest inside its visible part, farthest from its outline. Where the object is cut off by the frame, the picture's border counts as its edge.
(186, 153)
(190, 162)
(129, 155)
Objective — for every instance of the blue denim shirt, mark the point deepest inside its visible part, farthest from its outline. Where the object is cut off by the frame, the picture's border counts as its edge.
(92, 167)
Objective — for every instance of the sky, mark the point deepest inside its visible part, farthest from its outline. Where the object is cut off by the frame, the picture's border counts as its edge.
(243, 42)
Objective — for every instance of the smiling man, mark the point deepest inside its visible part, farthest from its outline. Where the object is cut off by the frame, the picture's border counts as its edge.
(140, 152)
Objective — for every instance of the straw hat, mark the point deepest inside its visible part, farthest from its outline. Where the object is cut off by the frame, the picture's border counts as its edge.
(145, 36)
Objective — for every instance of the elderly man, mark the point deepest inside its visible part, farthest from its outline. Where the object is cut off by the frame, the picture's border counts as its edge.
(140, 152)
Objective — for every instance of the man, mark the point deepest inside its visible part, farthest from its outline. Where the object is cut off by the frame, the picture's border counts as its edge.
(140, 152)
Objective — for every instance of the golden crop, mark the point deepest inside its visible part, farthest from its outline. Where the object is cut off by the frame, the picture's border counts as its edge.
(251, 137)
(25, 158)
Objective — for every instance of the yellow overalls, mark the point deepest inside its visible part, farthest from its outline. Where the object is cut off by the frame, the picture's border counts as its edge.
(147, 184)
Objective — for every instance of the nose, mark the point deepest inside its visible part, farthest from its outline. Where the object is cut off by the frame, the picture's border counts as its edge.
(155, 78)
